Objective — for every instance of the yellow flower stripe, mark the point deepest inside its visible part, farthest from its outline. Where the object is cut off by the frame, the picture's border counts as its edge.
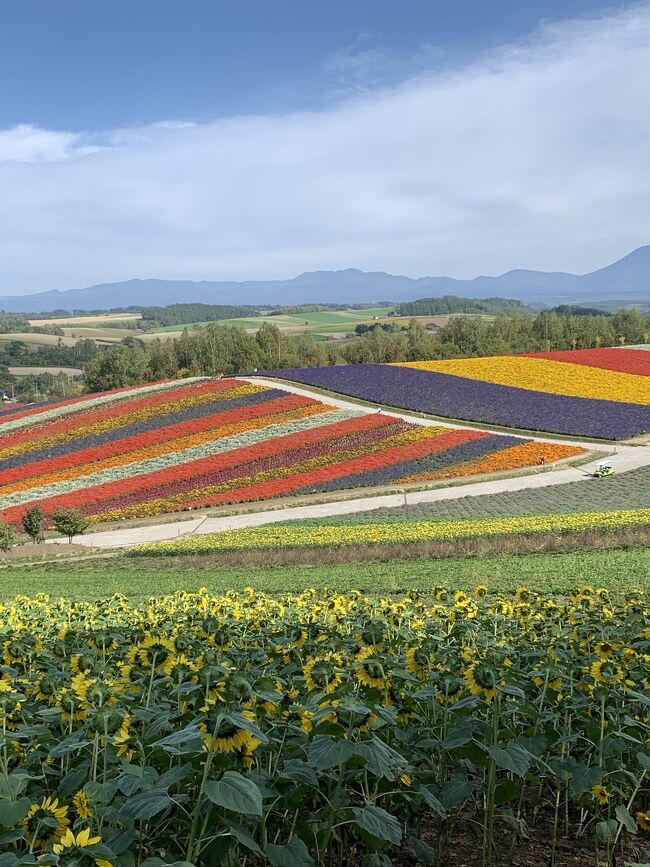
(128, 418)
(164, 448)
(278, 536)
(545, 374)
(167, 504)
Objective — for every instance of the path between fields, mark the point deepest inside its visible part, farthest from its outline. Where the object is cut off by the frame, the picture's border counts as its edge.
(625, 458)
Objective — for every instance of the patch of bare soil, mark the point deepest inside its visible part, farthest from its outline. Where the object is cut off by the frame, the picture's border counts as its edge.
(32, 551)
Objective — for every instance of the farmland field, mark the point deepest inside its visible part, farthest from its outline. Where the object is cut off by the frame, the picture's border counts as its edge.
(602, 393)
(631, 489)
(202, 442)
(326, 728)
(97, 319)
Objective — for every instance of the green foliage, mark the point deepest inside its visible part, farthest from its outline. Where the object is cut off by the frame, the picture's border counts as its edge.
(617, 569)
(456, 304)
(606, 494)
(33, 523)
(8, 537)
(69, 522)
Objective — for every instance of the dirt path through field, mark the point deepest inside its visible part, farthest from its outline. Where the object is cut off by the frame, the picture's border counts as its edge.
(624, 457)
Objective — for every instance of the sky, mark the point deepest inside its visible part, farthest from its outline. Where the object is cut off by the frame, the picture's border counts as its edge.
(244, 139)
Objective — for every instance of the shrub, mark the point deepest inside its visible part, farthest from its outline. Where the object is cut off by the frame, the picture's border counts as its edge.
(69, 522)
(33, 522)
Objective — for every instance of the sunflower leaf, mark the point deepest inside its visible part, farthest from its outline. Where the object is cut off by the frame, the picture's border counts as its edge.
(235, 792)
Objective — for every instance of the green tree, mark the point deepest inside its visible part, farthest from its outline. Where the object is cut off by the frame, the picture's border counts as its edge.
(33, 523)
(8, 537)
(69, 522)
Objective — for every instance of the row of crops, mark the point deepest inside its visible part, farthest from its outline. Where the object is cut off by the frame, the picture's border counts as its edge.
(612, 493)
(323, 728)
(323, 534)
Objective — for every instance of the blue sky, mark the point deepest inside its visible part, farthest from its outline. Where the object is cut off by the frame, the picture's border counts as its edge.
(234, 139)
(79, 65)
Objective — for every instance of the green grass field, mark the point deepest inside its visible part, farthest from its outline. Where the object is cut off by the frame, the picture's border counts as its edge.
(629, 490)
(617, 569)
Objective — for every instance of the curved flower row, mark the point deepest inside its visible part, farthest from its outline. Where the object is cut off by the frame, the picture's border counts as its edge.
(523, 454)
(39, 415)
(626, 360)
(459, 397)
(315, 535)
(178, 723)
(547, 375)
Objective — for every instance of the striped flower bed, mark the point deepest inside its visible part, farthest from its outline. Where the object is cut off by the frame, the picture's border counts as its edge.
(600, 394)
(202, 442)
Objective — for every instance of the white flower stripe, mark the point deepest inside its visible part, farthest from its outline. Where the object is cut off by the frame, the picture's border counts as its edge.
(113, 474)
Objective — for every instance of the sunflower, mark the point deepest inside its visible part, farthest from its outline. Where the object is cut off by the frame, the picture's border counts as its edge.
(600, 794)
(371, 673)
(604, 649)
(122, 737)
(82, 805)
(606, 671)
(71, 845)
(481, 591)
(461, 599)
(48, 810)
(323, 674)
(157, 652)
(417, 661)
(643, 821)
(229, 738)
(481, 680)
(523, 595)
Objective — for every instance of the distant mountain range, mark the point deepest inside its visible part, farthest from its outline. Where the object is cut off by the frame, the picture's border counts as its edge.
(624, 282)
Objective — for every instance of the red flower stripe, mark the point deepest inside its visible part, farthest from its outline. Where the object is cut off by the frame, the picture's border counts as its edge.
(624, 360)
(264, 490)
(116, 411)
(276, 461)
(204, 465)
(127, 446)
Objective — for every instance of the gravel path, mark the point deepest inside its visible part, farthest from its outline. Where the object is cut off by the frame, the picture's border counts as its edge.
(623, 458)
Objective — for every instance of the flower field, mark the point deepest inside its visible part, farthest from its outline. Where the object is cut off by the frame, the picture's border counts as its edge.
(203, 442)
(599, 393)
(329, 729)
(327, 534)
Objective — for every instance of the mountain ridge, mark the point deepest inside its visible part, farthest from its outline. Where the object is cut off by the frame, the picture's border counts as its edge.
(627, 278)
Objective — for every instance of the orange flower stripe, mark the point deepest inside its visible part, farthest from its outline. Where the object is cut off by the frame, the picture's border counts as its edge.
(512, 458)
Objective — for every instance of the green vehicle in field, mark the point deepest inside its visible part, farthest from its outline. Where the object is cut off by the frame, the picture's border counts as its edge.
(603, 470)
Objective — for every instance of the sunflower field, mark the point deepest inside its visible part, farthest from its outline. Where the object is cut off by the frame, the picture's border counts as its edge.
(324, 729)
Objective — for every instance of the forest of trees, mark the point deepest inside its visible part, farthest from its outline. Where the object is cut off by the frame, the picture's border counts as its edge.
(455, 304)
(219, 349)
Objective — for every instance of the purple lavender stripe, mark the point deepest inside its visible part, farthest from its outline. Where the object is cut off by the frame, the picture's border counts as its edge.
(159, 421)
(450, 457)
(457, 397)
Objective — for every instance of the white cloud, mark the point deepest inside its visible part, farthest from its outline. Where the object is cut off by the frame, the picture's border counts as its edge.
(535, 156)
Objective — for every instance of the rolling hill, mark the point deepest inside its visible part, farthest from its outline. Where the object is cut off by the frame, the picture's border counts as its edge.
(625, 281)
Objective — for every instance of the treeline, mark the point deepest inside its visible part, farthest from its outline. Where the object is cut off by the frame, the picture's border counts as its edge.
(185, 314)
(218, 349)
(456, 304)
(16, 353)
